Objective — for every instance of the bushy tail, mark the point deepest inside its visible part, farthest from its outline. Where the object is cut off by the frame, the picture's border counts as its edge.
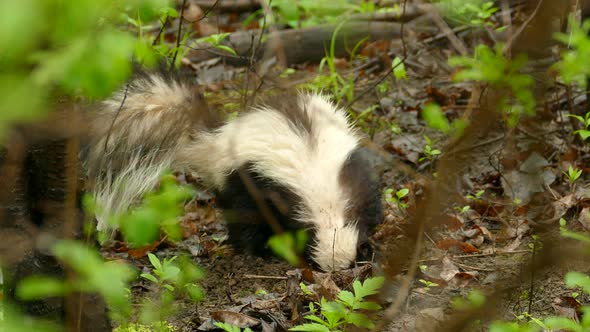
(136, 135)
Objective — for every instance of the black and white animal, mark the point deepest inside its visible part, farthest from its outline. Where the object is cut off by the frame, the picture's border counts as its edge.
(299, 150)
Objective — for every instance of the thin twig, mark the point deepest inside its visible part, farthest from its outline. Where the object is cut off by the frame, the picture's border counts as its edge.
(256, 276)
(106, 141)
(178, 35)
(157, 38)
(469, 267)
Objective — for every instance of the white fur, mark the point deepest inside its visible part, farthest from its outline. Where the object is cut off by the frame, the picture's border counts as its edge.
(116, 194)
(309, 166)
(132, 163)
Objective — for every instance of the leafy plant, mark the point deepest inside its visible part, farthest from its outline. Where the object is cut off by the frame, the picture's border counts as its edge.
(305, 13)
(345, 310)
(428, 151)
(165, 272)
(492, 67)
(585, 132)
(462, 209)
(428, 284)
(476, 13)
(382, 87)
(147, 48)
(572, 175)
(175, 277)
(214, 41)
(476, 196)
(339, 86)
(397, 198)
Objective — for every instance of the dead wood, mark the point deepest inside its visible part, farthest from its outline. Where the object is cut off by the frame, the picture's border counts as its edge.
(229, 5)
(307, 44)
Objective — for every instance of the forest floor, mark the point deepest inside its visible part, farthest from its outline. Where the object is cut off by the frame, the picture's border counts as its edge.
(501, 211)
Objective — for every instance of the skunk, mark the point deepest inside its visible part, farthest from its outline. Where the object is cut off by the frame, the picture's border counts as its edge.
(297, 154)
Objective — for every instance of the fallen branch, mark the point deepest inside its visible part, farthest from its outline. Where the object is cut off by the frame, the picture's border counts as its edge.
(307, 44)
(229, 5)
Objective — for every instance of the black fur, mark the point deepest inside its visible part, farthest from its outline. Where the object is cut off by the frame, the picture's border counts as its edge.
(358, 177)
(248, 227)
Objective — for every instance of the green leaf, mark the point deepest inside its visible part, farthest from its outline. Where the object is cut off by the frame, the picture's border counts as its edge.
(584, 134)
(227, 49)
(171, 273)
(563, 323)
(314, 318)
(367, 305)
(369, 287)
(402, 193)
(347, 298)
(577, 279)
(149, 277)
(435, 118)
(195, 292)
(155, 261)
(360, 320)
(577, 117)
(37, 287)
(283, 245)
(399, 68)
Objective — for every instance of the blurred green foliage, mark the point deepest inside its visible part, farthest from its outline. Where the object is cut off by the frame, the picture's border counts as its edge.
(92, 274)
(71, 47)
(492, 67)
(574, 65)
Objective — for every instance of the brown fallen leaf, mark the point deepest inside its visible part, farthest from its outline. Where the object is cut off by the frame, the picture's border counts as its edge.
(453, 222)
(463, 279)
(234, 318)
(449, 269)
(452, 243)
(559, 208)
(476, 241)
(143, 251)
(518, 228)
(512, 246)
